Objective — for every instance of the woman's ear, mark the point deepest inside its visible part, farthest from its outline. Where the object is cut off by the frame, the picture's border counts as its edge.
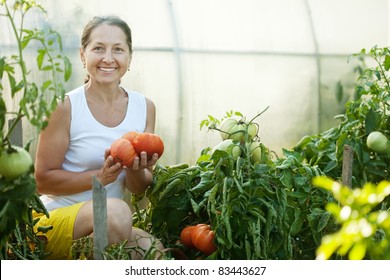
(82, 56)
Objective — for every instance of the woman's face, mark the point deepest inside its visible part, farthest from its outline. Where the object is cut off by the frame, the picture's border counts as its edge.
(107, 55)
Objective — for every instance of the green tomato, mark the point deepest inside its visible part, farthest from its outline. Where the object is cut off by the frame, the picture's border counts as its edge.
(228, 146)
(14, 163)
(252, 130)
(258, 153)
(378, 142)
(255, 152)
(234, 129)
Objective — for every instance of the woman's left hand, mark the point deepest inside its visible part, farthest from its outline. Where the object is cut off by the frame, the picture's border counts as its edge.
(142, 162)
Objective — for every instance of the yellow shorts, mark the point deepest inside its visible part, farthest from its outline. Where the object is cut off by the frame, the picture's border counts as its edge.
(60, 238)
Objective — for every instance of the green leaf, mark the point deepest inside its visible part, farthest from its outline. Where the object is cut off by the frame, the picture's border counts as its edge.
(323, 222)
(45, 85)
(2, 67)
(14, 87)
(47, 68)
(40, 58)
(372, 121)
(3, 110)
(386, 63)
(68, 69)
(339, 92)
(298, 222)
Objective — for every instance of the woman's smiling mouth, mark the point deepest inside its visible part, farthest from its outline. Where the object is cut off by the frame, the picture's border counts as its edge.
(104, 69)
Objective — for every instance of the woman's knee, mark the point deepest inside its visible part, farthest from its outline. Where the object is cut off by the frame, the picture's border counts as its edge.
(118, 207)
(119, 218)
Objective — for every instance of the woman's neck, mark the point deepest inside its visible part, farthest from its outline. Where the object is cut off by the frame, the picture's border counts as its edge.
(103, 93)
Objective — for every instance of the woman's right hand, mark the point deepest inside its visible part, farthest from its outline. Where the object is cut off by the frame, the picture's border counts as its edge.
(110, 170)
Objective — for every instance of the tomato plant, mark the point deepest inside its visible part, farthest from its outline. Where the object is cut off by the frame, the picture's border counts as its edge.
(150, 143)
(123, 152)
(367, 112)
(262, 206)
(34, 101)
(364, 231)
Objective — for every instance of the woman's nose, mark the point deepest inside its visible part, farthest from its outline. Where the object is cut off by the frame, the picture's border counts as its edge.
(108, 57)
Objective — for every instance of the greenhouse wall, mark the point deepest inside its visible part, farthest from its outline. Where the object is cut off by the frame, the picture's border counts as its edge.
(196, 58)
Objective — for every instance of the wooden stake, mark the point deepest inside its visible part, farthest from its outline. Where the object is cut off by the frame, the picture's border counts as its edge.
(347, 166)
(99, 200)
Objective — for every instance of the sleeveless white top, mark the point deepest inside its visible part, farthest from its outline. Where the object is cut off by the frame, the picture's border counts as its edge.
(88, 141)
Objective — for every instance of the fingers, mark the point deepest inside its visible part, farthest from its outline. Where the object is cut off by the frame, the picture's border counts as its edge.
(110, 166)
(110, 171)
(106, 154)
(142, 161)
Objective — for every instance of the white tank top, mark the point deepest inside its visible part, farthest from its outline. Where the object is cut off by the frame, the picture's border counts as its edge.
(88, 141)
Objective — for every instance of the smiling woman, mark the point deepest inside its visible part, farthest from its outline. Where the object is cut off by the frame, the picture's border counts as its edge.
(107, 48)
(75, 146)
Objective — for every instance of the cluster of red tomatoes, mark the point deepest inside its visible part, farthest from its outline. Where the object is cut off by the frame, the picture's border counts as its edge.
(132, 143)
(200, 237)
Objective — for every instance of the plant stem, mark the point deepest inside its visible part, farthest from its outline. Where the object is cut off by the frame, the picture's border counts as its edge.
(18, 37)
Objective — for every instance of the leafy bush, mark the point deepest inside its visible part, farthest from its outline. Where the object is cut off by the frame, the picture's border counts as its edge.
(270, 209)
(365, 224)
(18, 197)
(259, 210)
(367, 112)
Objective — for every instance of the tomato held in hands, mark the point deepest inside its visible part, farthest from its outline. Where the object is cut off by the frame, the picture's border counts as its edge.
(150, 143)
(123, 152)
(131, 135)
(203, 239)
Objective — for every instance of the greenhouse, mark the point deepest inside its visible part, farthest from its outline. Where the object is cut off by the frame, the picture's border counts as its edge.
(266, 111)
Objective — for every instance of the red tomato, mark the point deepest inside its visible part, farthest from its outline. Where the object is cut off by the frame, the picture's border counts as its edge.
(123, 152)
(185, 236)
(150, 143)
(203, 239)
(131, 135)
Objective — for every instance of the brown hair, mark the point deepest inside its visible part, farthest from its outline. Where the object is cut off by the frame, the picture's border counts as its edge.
(110, 20)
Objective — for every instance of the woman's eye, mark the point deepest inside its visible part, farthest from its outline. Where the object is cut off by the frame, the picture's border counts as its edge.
(118, 50)
(97, 48)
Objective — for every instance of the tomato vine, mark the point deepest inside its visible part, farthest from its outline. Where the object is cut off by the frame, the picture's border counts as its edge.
(271, 209)
(35, 101)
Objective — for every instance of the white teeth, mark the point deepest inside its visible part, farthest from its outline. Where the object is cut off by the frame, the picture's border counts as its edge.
(107, 69)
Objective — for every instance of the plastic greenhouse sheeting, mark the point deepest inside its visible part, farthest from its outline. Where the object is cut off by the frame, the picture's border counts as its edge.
(196, 58)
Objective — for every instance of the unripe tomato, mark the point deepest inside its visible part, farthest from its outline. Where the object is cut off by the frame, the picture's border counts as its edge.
(228, 146)
(232, 128)
(255, 152)
(378, 142)
(203, 239)
(123, 152)
(185, 236)
(150, 143)
(14, 162)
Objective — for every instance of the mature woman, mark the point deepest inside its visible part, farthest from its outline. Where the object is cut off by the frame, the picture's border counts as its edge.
(74, 146)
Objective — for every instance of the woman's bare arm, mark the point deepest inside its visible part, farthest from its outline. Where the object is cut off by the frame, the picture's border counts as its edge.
(52, 146)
